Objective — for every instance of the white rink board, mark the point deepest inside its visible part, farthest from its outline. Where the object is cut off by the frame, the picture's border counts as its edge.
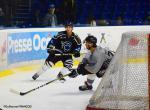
(108, 36)
(112, 34)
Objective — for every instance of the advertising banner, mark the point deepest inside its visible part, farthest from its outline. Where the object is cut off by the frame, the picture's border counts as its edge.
(27, 46)
(3, 49)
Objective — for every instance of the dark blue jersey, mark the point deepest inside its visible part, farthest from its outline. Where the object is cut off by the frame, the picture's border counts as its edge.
(66, 44)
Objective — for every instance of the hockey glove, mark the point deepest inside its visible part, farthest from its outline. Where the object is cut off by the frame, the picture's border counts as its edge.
(85, 61)
(50, 48)
(76, 54)
(103, 68)
(52, 53)
(73, 74)
(80, 69)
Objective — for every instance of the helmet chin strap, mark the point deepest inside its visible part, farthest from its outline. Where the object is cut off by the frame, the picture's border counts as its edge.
(92, 48)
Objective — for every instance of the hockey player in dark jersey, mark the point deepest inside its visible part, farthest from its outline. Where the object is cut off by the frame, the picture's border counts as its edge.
(66, 44)
(93, 64)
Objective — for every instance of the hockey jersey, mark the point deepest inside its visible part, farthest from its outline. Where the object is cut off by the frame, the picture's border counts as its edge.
(64, 43)
(96, 59)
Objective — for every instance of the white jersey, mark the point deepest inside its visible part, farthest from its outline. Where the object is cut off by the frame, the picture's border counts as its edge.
(95, 59)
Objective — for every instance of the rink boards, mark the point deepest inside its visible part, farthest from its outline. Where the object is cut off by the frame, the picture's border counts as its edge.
(22, 47)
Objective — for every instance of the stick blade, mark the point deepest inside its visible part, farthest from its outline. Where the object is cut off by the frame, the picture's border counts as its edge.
(21, 93)
(14, 91)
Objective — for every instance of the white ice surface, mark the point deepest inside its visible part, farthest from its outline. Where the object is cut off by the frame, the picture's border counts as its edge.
(55, 96)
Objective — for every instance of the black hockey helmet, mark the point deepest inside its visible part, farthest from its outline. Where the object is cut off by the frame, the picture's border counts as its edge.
(68, 23)
(91, 39)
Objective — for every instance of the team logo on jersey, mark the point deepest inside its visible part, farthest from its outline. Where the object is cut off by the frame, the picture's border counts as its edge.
(66, 46)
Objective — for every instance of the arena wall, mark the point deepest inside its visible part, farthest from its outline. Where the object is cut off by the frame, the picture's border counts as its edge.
(28, 46)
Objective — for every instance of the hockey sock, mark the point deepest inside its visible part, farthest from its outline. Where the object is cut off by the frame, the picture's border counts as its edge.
(45, 67)
(90, 82)
(90, 79)
(64, 71)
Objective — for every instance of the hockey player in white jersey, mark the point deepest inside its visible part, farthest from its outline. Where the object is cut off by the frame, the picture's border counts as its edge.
(93, 64)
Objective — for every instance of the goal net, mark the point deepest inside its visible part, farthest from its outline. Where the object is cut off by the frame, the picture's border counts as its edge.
(125, 85)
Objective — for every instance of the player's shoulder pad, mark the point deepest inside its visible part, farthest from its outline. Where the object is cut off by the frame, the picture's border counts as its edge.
(77, 39)
(60, 34)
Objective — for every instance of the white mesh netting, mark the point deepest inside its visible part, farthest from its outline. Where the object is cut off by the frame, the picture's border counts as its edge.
(125, 83)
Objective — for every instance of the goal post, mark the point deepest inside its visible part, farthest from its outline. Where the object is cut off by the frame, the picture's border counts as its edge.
(149, 69)
(126, 83)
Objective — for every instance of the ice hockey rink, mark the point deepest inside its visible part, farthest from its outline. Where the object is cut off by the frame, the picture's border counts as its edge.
(55, 96)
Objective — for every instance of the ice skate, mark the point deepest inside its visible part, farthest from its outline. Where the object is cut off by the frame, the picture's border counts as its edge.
(60, 77)
(85, 87)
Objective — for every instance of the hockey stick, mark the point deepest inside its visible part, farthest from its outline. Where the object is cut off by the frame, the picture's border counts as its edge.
(29, 91)
(60, 52)
(63, 54)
